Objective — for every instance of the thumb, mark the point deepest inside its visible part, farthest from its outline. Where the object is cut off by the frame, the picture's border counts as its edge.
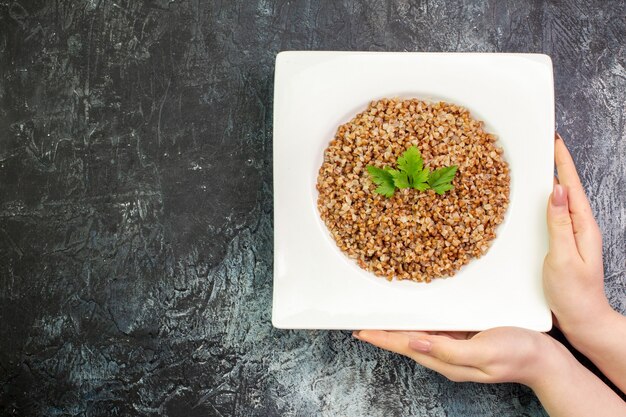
(560, 223)
(451, 351)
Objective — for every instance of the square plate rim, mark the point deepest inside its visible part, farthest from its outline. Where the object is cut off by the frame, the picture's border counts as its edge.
(541, 58)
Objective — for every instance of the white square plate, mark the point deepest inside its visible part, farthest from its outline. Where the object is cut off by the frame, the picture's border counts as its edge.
(315, 285)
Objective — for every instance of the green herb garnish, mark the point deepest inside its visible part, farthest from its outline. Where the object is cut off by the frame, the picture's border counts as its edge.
(411, 173)
(440, 179)
(383, 179)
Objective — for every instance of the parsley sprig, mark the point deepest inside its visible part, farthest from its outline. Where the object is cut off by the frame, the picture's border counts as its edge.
(411, 173)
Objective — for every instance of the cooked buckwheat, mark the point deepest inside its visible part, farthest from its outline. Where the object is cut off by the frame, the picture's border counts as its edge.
(416, 235)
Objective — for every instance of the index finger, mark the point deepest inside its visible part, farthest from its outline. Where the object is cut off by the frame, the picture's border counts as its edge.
(399, 343)
(464, 352)
(586, 232)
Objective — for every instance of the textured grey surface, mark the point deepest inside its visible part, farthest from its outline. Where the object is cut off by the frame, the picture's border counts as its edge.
(136, 200)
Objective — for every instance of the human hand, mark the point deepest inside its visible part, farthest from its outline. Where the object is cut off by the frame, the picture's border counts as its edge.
(507, 354)
(503, 354)
(573, 276)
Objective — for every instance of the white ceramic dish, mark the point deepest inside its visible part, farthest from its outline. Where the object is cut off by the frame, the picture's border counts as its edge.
(315, 285)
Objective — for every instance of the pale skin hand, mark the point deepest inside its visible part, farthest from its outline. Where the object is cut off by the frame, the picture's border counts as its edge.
(573, 276)
(507, 354)
(504, 354)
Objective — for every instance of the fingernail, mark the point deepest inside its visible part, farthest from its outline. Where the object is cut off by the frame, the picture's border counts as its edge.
(420, 345)
(557, 136)
(355, 334)
(559, 198)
